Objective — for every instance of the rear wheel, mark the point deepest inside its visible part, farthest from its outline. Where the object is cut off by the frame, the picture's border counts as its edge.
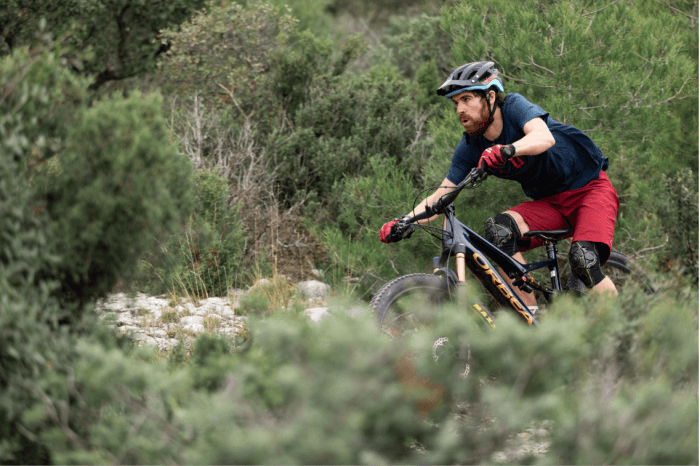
(406, 304)
(621, 269)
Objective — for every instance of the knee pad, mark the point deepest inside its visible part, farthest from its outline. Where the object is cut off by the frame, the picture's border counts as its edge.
(503, 231)
(585, 263)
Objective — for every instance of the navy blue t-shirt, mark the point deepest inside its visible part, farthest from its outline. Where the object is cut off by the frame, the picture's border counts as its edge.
(571, 163)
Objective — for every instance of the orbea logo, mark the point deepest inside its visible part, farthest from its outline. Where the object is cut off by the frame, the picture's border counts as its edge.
(489, 79)
(504, 291)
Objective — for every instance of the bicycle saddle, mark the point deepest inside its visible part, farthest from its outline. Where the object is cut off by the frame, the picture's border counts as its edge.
(547, 235)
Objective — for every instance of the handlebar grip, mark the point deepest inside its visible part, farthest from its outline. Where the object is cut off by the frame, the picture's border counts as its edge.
(508, 151)
(419, 216)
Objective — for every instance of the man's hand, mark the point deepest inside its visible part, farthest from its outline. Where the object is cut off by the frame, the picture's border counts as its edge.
(395, 231)
(493, 159)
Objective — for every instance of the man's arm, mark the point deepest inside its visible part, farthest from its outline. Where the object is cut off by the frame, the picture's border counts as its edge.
(445, 187)
(537, 138)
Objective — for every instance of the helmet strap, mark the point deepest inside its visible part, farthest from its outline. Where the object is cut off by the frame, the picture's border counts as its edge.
(491, 111)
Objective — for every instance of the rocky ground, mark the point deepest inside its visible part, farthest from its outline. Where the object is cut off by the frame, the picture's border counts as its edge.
(163, 322)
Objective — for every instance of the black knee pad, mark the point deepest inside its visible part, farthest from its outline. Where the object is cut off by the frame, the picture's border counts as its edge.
(585, 263)
(503, 231)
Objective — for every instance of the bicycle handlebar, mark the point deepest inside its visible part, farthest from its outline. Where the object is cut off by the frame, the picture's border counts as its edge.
(475, 175)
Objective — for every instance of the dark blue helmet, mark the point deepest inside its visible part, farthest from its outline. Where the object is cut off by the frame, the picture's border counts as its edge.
(480, 75)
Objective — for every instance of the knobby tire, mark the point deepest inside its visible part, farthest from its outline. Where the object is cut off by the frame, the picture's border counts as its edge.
(397, 318)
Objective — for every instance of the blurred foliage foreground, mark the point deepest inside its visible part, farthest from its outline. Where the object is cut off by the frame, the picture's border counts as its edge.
(90, 184)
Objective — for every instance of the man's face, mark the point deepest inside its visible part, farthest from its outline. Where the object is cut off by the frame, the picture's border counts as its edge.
(472, 111)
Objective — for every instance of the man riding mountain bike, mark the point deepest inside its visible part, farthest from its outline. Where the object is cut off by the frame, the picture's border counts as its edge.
(557, 165)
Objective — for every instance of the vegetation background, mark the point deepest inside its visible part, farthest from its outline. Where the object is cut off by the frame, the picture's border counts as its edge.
(188, 146)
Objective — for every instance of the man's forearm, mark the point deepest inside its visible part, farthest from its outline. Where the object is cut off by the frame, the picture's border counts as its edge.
(421, 208)
(447, 187)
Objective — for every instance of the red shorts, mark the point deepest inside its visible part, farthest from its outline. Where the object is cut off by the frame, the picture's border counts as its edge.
(590, 210)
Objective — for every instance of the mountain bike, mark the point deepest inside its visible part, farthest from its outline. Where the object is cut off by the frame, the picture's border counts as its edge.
(394, 303)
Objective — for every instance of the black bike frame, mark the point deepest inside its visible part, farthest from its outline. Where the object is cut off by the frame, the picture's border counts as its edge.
(460, 239)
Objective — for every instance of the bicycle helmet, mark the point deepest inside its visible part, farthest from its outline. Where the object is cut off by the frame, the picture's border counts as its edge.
(480, 75)
(477, 76)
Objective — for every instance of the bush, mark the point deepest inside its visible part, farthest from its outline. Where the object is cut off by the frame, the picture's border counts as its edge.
(210, 363)
(347, 120)
(32, 339)
(390, 401)
(679, 213)
(226, 55)
(82, 193)
(255, 303)
(116, 187)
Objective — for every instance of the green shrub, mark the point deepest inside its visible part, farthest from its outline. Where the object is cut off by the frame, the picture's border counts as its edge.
(117, 187)
(364, 204)
(102, 43)
(341, 392)
(234, 46)
(83, 190)
(254, 303)
(679, 213)
(32, 339)
(346, 121)
(211, 361)
(177, 355)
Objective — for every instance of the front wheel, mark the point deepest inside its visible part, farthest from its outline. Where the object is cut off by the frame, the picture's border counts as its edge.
(405, 304)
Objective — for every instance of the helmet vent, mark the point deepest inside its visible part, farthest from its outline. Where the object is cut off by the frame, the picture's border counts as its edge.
(478, 74)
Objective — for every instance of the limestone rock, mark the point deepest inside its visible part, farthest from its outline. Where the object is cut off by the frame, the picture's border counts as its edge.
(313, 289)
(192, 320)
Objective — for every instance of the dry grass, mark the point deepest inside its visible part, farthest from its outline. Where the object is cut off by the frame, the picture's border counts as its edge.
(276, 233)
(211, 323)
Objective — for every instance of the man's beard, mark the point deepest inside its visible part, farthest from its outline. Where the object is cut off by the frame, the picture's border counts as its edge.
(477, 128)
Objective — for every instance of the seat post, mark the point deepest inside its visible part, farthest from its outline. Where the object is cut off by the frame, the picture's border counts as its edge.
(553, 264)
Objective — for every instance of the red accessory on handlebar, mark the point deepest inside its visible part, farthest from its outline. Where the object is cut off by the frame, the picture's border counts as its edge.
(385, 232)
(395, 231)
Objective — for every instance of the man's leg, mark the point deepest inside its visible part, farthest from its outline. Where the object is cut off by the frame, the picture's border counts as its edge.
(606, 287)
(528, 298)
(586, 258)
(504, 230)
(540, 216)
(593, 211)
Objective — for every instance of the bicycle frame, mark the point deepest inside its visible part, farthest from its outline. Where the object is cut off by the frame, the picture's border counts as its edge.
(471, 251)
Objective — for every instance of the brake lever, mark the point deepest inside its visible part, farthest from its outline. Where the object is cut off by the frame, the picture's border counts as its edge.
(404, 229)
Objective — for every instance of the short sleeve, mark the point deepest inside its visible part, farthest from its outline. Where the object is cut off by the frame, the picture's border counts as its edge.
(520, 110)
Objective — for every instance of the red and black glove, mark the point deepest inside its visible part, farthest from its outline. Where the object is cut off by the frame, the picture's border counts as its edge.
(394, 231)
(494, 159)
